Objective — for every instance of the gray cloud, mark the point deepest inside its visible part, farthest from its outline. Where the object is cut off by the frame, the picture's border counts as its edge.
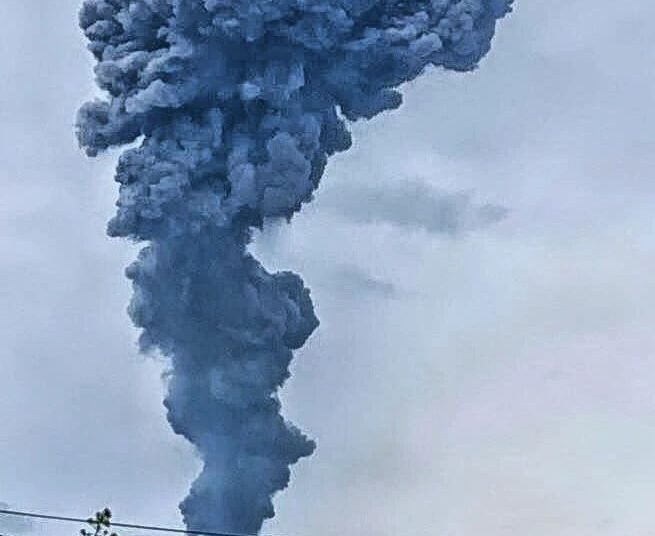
(412, 205)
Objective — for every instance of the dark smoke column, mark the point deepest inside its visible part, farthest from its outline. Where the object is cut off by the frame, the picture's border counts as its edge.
(235, 106)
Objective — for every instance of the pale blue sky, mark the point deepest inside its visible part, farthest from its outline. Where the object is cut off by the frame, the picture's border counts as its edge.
(496, 382)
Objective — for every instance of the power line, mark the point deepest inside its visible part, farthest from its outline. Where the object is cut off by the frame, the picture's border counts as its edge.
(119, 525)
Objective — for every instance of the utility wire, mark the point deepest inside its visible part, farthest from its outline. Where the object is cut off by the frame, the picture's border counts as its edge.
(120, 525)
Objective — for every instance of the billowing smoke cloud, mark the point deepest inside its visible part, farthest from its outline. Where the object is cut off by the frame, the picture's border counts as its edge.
(235, 106)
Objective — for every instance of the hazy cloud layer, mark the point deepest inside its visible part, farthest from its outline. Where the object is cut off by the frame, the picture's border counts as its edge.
(507, 386)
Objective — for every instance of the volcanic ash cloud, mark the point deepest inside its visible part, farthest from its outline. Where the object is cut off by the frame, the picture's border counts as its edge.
(235, 107)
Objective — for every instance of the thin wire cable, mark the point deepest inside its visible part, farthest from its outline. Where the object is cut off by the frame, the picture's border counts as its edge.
(120, 525)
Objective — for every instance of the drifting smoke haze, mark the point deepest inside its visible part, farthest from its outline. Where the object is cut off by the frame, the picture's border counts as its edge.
(236, 106)
(414, 205)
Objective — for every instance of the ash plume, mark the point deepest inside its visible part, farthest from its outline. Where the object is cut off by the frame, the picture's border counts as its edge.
(235, 107)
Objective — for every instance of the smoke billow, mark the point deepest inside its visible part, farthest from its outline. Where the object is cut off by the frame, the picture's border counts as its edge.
(236, 106)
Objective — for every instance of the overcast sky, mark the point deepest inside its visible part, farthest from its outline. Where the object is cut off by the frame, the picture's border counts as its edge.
(485, 368)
